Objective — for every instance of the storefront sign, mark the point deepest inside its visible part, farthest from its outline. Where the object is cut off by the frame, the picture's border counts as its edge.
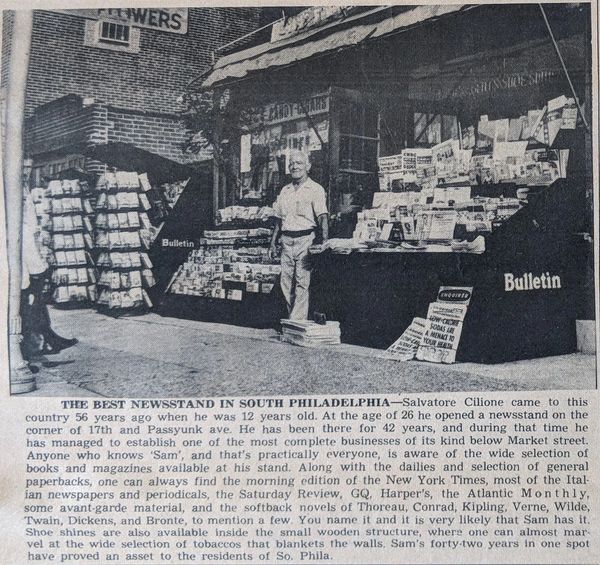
(529, 281)
(171, 20)
(280, 112)
(531, 67)
(448, 89)
(504, 82)
(176, 243)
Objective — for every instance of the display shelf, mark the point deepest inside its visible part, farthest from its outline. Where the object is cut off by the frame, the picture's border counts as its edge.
(495, 213)
(375, 296)
(63, 209)
(125, 270)
(228, 276)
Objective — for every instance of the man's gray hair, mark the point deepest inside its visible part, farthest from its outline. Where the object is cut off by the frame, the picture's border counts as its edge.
(305, 156)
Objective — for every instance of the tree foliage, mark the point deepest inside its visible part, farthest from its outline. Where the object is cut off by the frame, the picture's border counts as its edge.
(216, 120)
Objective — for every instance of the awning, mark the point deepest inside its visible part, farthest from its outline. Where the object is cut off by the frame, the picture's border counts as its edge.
(271, 55)
(73, 173)
(128, 157)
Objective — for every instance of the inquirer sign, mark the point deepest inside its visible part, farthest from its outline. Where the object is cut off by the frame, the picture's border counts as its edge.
(171, 20)
(454, 294)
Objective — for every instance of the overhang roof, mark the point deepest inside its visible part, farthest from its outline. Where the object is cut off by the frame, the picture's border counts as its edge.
(127, 157)
(321, 41)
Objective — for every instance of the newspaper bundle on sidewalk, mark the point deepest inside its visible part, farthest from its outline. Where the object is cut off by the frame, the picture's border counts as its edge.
(309, 334)
(406, 346)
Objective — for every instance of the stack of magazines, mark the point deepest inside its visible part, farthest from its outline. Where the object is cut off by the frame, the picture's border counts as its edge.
(310, 334)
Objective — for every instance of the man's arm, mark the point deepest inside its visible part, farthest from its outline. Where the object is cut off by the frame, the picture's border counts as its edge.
(274, 238)
(321, 213)
(323, 220)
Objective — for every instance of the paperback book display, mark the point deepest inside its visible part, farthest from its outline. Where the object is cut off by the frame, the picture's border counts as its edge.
(42, 201)
(231, 262)
(244, 215)
(429, 197)
(63, 213)
(122, 239)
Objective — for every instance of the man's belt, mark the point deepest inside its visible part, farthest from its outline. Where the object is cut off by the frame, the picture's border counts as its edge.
(297, 233)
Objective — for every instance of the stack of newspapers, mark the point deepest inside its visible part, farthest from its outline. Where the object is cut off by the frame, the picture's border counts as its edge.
(310, 334)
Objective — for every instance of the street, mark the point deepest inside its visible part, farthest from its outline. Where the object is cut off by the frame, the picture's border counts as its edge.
(154, 356)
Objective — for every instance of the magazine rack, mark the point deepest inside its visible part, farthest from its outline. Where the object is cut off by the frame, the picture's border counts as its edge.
(212, 282)
(121, 243)
(64, 213)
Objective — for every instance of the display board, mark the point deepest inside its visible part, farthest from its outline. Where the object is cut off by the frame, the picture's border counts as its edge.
(181, 230)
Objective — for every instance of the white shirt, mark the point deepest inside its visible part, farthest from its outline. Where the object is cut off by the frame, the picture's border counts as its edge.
(298, 208)
(32, 262)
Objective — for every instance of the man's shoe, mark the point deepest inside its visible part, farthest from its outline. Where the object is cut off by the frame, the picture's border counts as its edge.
(56, 344)
(58, 341)
(65, 343)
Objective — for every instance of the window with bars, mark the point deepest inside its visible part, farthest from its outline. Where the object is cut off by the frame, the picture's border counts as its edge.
(113, 33)
(112, 36)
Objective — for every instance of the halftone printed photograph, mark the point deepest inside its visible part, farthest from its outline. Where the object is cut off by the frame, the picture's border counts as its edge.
(299, 285)
(285, 200)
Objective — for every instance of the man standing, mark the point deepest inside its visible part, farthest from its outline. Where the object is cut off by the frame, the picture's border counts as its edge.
(300, 208)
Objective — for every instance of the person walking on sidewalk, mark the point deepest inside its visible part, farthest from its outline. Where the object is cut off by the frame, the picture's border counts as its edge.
(38, 335)
(300, 209)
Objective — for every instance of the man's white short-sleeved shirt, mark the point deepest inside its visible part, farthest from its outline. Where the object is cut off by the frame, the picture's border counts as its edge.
(299, 208)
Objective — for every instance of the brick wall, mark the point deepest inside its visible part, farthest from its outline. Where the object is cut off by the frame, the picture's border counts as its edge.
(7, 30)
(72, 123)
(139, 91)
(151, 80)
(159, 134)
(64, 124)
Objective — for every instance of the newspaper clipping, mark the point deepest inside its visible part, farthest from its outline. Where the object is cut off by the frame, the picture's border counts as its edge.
(299, 284)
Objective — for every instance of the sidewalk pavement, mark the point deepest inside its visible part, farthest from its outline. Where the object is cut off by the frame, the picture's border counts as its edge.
(154, 356)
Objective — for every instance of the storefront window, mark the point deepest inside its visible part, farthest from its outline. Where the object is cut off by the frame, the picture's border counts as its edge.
(359, 139)
(431, 129)
(264, 151)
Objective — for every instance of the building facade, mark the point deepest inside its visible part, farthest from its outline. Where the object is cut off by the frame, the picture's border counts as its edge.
(105, 76)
